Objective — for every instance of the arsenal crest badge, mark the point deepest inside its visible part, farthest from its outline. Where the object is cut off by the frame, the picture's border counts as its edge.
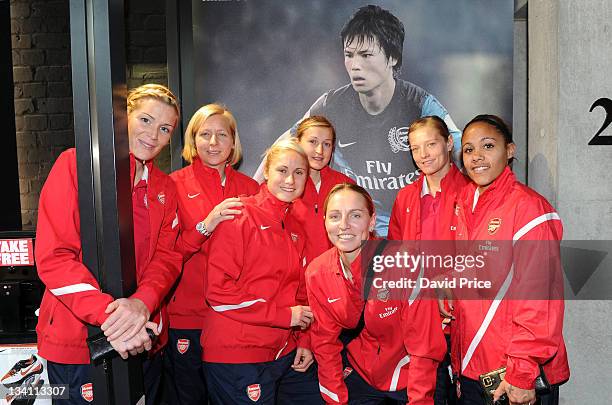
(254, 392)
(383, 294)
(346, 372)
(494, 225)
(398, 139)
(161, 197)
(87, 392)
(182, 345)
(294, 237)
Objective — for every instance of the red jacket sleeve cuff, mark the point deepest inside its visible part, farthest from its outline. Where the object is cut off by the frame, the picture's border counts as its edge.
(521, 373)
(102, 318)
(193, 238)
(101, 308)
(303, 339)
(149, 300)
(421, 380)
(283, 317)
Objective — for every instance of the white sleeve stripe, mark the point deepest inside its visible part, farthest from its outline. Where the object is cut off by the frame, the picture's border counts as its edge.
(396, 373)
(175, 222)
(223, 308)
(71, 289)
(329, 393)
(535, 222)
(487, 321)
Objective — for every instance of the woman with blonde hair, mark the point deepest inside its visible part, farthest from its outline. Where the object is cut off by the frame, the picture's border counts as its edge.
(73, 299)
(425, 211)
(207, 192)
(252, 346)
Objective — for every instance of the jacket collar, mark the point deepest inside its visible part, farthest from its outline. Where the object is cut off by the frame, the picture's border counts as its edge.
(501, 184)
(355, 265)
(311, 188)
(209, 172)
(450, 178)
(325, 172)
(266, 200)
(148, 167)
(498, 190)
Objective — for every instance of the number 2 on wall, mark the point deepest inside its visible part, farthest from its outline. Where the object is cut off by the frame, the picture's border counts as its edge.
(606, 103)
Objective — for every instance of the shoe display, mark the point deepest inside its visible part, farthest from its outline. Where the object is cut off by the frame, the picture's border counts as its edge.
(21, 370)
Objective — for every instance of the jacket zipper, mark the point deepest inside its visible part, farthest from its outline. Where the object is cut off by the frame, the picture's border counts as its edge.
(283, 218)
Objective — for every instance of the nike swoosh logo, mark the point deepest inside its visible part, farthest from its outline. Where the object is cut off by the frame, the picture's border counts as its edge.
(263, 228)
(344, 145)
(25, 372)
(331, 301)
(192, 195)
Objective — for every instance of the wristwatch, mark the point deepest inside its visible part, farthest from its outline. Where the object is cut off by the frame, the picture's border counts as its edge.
(201, 227)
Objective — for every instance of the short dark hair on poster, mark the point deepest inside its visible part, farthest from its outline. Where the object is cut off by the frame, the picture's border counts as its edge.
(373, 22)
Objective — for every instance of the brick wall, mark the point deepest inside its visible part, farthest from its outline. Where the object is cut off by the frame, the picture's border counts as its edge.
(43, 94)
(43, 90)
(146, 50)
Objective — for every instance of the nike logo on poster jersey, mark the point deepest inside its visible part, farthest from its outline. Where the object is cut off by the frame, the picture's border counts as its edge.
(27, 370)
(191, 196)
(331, 301)
(344, 145)
(263, 228)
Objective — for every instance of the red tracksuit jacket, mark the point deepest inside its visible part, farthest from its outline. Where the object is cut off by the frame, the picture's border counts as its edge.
(405, 222)
(254, 269)
(399, 347)
(72, 298)
(523, 334)
(198, 190)
(309, 211)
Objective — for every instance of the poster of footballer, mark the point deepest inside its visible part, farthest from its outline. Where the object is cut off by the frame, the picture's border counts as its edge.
(370, 68)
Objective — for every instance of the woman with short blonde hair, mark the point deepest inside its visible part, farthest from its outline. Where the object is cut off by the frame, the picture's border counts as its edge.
(207, 195)
(73, 299)
(154, 91)
(199, 117)
(253, 348)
